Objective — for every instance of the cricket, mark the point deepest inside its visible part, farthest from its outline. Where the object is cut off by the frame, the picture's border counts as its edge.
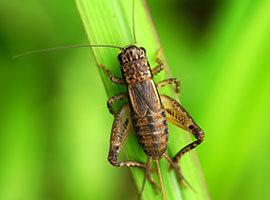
(147, 112)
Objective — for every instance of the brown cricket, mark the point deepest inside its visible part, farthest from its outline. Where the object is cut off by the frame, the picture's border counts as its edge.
(147, 114)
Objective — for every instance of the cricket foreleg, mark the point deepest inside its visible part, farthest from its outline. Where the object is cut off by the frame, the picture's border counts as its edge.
(112, 78)
(170, 81)
(120, 131)
(160, 67)
(178, 116)
(114, 99)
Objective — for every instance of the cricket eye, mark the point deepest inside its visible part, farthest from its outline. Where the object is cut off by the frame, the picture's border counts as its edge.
(143, 49)
(120, 55)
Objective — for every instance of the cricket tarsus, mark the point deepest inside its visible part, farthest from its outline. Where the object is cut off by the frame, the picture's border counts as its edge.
(62, 47)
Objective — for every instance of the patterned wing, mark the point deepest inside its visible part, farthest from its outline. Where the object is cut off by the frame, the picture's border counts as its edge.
(144, 96)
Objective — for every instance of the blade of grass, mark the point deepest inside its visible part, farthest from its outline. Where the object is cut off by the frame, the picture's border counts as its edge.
(241, 49)
(110, 22)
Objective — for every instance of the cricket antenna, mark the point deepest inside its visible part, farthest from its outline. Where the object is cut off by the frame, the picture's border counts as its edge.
(133, 21)
(160, 180)
(63, 47)
(145, 176)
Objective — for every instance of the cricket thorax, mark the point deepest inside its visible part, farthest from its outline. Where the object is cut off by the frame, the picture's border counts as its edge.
(136, 71)
(134, 65)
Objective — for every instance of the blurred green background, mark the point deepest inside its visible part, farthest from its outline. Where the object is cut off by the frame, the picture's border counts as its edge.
(54, 124)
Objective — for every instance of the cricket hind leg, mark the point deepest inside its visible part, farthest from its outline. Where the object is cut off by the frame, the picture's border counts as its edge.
(147, 175)
(120, 131)
(170, 81)
(175, 167)
(178, 116)
(190, 146)
(112, 78)
(178, 171)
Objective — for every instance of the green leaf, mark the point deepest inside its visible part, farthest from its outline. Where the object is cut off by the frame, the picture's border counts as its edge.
(109, 22)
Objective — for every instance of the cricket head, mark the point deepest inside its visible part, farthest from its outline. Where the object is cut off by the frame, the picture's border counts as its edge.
(131, 53)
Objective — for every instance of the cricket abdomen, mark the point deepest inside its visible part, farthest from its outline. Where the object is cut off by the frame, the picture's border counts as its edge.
(152, 133)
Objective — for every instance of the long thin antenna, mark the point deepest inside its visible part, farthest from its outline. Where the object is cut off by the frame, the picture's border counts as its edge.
(63, 47)
(145, 176)
(133, 21)
(160, 180)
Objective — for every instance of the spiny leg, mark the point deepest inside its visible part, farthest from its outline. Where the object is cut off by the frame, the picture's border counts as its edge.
(114, 99)
(170, 81)
(147, 175)
(160, 67)
(120, 131)
(178, 116)
(178, 171)
(152, 181)
(176, 167)
(199, 135)
(112, 78)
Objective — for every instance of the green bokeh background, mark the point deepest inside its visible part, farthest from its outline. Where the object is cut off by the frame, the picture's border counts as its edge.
(54, 124)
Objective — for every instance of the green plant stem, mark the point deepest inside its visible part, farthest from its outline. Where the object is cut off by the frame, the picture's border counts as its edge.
(109, 22)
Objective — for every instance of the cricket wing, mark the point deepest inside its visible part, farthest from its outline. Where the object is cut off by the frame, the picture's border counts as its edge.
(144, 96)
